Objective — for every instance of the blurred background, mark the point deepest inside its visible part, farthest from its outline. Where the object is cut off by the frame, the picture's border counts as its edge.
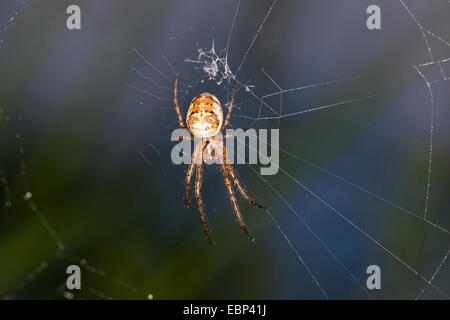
(87, 179)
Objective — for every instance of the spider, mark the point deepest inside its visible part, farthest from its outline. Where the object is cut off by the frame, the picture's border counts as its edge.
(204, 121)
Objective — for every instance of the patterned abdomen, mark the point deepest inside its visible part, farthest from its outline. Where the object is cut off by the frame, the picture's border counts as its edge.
(205, 116)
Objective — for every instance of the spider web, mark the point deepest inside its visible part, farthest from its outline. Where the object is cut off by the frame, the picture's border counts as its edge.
(214, 65)
(60, 255)
(265, 101)
(12, 140)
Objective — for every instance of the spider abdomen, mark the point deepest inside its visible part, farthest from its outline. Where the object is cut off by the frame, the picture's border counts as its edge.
(205, 116)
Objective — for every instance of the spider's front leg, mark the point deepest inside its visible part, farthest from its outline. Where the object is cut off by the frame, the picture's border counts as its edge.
(230, 108)
(177, 107)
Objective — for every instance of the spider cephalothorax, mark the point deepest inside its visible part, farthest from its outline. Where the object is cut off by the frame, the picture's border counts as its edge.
(205, 120)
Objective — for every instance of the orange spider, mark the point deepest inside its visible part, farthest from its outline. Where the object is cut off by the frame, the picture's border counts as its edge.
(205, 120)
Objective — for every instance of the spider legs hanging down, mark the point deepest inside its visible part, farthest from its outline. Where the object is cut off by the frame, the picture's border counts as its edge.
(198, 196)
(241, 189)
(198, 184)
(190, 172)
(230, 191)
(189, 176)
(236, 181)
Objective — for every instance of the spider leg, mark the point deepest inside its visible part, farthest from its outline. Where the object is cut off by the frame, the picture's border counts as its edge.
(189, 176)
(234, 201)
(236, 181)
(230, 108)
(234, 134)
(198, 186)
(240, 187)
(182, 137)
(177, 107)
